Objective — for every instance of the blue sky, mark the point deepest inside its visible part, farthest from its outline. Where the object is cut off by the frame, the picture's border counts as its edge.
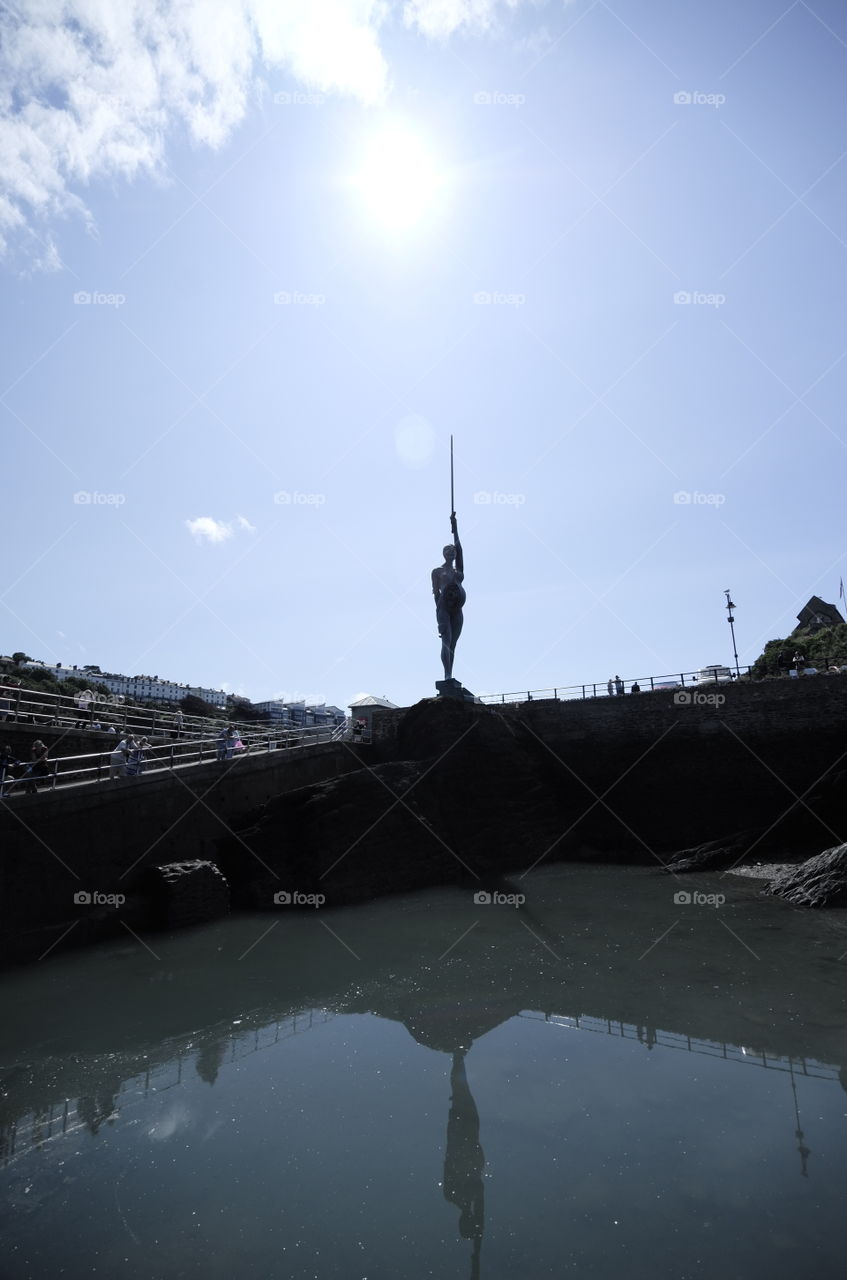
(321, 238)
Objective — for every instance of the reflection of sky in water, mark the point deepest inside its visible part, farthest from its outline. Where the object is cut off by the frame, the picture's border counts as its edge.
(315, 1146)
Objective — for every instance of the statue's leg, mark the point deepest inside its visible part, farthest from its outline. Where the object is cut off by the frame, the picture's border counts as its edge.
(447, 649)
(456, 621)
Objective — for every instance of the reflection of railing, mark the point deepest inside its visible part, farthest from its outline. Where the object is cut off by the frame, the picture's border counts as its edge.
(34, 1129)
(650, 1037)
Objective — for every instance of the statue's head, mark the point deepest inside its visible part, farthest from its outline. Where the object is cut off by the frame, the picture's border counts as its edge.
(449, 552)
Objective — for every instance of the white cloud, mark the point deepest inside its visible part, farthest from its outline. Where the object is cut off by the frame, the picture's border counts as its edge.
(207, 529)
(439, 19)
(92, 89)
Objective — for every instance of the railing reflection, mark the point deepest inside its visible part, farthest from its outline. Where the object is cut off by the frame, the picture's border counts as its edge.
(653, 1038)
(32, 1130)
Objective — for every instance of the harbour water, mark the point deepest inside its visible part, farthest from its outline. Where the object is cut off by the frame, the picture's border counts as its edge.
(599, 1082)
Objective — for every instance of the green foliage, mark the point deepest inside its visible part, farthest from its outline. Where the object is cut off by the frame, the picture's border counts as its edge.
(820, 649)
(20, 657)
(194, 706)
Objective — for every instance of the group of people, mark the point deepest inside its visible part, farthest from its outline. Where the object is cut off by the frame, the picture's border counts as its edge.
(229, 742)
(128, 758)
(30, 773)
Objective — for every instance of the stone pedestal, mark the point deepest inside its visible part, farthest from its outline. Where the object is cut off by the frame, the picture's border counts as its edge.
(454, 689)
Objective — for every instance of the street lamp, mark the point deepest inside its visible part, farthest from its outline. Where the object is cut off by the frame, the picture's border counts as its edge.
(729, 608)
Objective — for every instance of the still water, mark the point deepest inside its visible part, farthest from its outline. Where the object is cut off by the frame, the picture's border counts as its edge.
(602, 1082)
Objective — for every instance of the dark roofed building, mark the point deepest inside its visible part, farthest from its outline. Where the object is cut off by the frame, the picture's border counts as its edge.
(817, 614)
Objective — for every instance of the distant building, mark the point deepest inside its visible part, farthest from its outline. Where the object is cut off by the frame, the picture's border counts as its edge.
(817, 614)
(299, 715)
(363, 708)
(136, 688)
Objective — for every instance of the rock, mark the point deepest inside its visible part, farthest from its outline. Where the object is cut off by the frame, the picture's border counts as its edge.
(818, 882)
(186, 893)
(476, 793)
(715, 855)
(800, 829)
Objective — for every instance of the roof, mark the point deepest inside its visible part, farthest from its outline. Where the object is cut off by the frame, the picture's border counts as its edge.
(371, 700)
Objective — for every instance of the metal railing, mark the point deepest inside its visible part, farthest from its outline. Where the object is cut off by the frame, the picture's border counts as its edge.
(613, 688)
(68, 712)
(100, 766)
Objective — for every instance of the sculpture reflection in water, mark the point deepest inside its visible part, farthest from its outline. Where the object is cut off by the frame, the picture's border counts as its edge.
(464, 1160)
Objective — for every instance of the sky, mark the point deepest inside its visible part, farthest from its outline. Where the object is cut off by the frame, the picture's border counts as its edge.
(262, 258)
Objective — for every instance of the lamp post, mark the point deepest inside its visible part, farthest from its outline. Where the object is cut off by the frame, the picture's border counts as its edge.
(729, 608)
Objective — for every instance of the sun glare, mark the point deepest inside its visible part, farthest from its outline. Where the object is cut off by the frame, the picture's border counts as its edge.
(399, 180)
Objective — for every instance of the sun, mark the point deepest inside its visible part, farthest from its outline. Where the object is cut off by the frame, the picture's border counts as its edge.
(399, 180)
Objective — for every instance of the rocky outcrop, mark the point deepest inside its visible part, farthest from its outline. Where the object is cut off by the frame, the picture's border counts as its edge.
(185, 893)
(473, 794)
(818, 882)
(803, 827)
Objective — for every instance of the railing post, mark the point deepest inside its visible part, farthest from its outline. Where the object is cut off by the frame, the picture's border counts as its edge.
(172, 755)
(18, 703)
(55, 775)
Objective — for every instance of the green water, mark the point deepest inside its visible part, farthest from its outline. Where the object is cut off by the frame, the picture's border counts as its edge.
(599, 1083)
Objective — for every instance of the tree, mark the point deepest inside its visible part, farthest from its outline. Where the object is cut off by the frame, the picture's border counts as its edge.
(194, 706)
(19, 657)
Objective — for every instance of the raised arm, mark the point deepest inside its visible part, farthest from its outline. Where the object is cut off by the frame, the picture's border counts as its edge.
(460, 563)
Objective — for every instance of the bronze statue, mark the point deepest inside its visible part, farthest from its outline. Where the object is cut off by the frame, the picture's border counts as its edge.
(449, 598)
(448, 590)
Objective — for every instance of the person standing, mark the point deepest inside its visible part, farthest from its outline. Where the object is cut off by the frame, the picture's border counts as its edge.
(38, 768)
(610, 687)
(134, 755)
(117, 761)
(8, 764)
(619, 689)
(141, 756)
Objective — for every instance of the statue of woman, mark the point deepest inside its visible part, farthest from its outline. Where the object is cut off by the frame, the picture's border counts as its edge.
(449, 598)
